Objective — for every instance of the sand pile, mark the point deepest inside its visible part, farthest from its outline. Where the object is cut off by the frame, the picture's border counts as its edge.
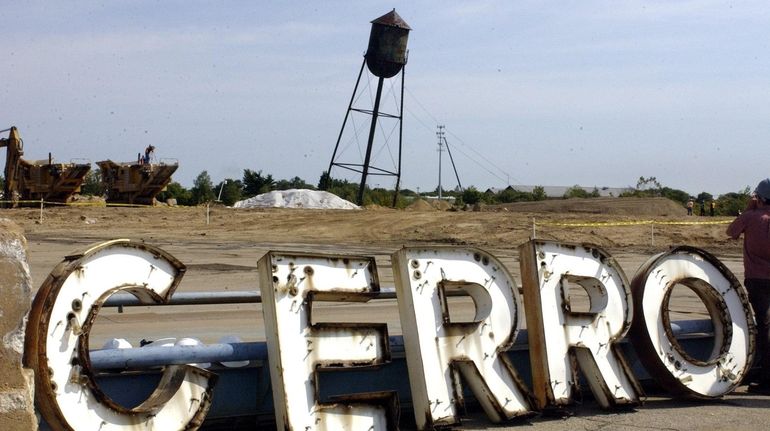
(441, 205)
(429, 205)
(296, 198)
(420, 205)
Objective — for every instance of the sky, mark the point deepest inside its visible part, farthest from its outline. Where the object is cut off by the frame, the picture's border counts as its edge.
(595, 93)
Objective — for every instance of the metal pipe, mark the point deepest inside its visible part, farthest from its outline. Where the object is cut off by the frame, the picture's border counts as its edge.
(188, 298)
(148, 356)
(213, 298)
(253, 297)
(143, 357)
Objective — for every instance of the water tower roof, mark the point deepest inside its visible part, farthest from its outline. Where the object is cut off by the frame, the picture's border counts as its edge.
(392, 19)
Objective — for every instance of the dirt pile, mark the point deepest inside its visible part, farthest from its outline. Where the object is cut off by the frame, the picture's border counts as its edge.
(441, 205)
(429, 205)
(420, 205)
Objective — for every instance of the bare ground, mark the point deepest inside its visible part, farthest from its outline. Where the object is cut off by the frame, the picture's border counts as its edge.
(222, 254)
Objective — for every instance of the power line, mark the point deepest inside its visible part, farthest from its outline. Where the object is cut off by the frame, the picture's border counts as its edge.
(506, 175)
(491, 163)
(467, 156)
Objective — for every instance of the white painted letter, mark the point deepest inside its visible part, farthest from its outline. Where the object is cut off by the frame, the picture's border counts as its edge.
(439, 350)
(556, 333)
(62, 314)
(728, 306)
(297, 348)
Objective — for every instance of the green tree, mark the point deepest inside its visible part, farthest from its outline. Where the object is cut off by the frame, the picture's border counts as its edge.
(471, 195)
(378, 196)
(507, 195)
(92, 184)
(650, 184)
(538, 193)
(231, 191)
(650, 187)
(294, 183)
(511, 195)
(174, 190)
(254, 183)
(325, 182)
(342, 188)
(675, 195)
(704, 197)
(575, 192)
(202, 190)
(730, 204)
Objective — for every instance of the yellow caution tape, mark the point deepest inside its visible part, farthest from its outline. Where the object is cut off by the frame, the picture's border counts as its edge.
(23, 202)
(593, 224)
(76, 204)
(694, 222)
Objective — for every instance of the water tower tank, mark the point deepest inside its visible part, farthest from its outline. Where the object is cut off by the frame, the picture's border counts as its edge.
(386, 54)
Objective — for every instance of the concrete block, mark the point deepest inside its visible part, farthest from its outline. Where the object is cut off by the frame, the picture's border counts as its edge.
(17, 410)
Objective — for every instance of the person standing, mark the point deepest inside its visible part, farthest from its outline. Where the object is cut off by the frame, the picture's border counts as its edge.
(712, 207)
(754, 224)
(690, 204)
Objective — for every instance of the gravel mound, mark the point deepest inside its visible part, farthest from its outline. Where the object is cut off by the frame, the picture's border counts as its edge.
(420, 205)
(297, 198)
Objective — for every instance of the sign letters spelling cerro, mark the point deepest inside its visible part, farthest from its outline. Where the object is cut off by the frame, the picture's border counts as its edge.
(441, 354)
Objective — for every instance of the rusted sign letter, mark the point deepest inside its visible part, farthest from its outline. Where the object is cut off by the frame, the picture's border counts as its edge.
(62, 314)
(440, 349)
(298, 348)
(679, 371)
(557, 333)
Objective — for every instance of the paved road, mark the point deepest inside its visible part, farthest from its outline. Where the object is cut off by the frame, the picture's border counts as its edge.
(738, 411)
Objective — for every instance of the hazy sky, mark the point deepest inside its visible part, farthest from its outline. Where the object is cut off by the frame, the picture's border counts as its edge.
(539, 93)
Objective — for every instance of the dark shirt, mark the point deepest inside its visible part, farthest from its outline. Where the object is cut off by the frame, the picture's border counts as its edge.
(755, 227)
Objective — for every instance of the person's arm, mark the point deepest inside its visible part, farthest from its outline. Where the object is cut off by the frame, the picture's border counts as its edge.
(735, 228)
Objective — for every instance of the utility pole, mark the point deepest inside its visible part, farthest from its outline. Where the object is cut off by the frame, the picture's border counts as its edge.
(440, 135)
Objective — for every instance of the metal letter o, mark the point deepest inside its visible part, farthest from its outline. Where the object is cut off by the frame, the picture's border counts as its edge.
(728, 306)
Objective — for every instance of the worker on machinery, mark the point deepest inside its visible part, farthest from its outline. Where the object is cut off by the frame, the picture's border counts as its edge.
(148, 153)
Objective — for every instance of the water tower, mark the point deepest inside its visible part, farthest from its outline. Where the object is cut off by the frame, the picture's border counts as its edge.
(385, 57)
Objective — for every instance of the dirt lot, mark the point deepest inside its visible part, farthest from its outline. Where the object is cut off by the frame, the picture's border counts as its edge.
(222, 254)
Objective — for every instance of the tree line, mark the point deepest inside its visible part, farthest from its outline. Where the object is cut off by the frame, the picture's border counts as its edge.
(252, 183)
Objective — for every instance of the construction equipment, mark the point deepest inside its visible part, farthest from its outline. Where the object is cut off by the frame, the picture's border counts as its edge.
(37, 180)
(135, 182)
